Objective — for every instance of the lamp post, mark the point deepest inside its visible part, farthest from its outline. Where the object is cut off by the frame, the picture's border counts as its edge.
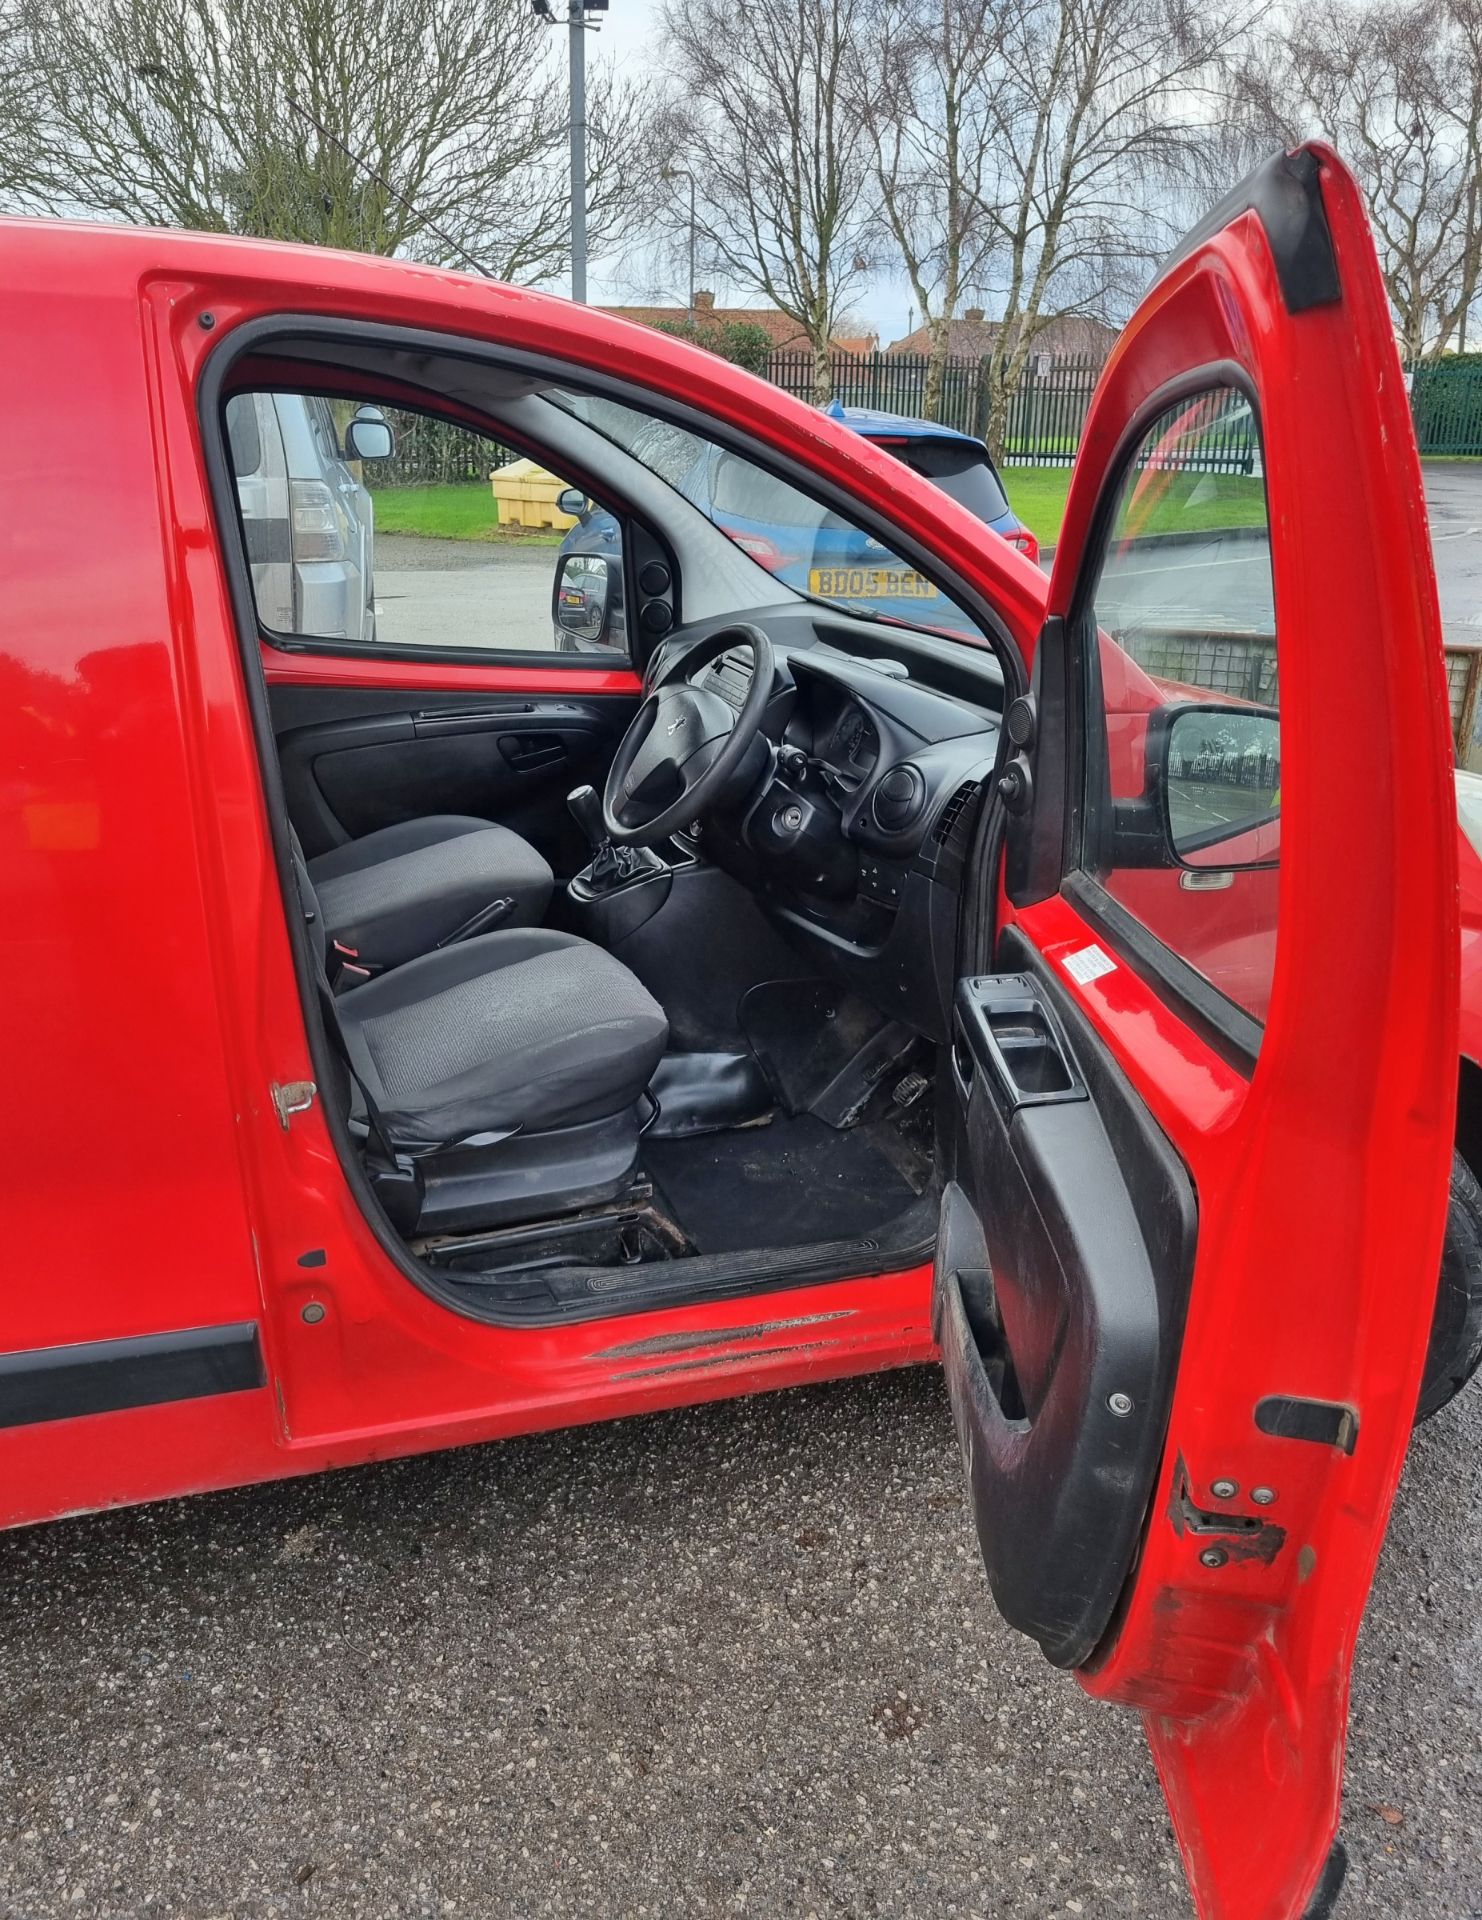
(683, 173)
(577, 25)
(576, 35)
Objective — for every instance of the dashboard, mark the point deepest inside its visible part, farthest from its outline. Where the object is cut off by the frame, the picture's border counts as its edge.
(853, 821)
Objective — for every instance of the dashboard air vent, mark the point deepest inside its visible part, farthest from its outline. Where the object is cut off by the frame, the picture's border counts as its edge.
(955, 808)
(899, 799)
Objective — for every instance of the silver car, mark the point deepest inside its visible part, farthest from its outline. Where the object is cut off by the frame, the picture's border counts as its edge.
(309, 521)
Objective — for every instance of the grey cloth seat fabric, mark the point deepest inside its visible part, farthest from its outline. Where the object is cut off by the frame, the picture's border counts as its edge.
(397, 893)
(529, 1028)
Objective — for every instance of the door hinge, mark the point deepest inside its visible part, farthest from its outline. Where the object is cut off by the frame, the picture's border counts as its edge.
(291, 1097)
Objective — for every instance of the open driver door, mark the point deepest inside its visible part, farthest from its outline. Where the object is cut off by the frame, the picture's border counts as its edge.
(1205, 1037)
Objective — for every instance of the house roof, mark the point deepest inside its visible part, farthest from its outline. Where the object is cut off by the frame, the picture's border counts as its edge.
(971, 337)
(780, 328)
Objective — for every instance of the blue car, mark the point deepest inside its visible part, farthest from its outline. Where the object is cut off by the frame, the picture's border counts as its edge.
(825, 557)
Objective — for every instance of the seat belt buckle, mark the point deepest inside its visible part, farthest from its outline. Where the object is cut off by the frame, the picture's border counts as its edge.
(350, 970)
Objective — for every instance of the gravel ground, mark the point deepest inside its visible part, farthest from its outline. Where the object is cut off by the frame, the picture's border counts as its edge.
(735, 1660)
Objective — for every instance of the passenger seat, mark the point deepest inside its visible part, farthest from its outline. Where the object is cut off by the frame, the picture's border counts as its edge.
(406, 890)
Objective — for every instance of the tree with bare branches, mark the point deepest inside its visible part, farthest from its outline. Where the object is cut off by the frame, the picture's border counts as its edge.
(763, 116)
(181, 112)
(1104, 116)
(926, 72)
(1397, 88)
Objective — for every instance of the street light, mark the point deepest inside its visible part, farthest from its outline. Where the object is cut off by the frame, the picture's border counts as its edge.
(577, 25)
(683, 173)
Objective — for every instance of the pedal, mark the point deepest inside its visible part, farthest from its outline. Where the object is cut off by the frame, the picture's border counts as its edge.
(908, 1090)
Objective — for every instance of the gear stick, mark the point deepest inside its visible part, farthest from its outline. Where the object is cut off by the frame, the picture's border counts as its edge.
(586, 810)
(610, 866)
(604, 870)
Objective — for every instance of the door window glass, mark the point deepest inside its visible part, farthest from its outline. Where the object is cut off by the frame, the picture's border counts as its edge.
(1184, 804)
(808, 548)
(371, 525)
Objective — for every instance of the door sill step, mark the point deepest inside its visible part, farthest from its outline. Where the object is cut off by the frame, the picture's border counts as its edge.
(542, 1296)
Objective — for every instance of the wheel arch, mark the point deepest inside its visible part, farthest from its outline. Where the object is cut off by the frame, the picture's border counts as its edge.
(1469, 1114)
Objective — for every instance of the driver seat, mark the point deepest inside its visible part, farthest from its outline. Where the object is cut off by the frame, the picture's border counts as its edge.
(527, 1030)
(507, 1072)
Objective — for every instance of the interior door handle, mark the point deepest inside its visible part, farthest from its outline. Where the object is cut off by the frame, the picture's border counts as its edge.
(523, 755)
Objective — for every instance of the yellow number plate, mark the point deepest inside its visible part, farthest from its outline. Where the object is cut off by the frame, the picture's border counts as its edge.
(869, 583)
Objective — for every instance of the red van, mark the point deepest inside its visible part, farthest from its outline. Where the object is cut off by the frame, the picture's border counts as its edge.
(424, 1040)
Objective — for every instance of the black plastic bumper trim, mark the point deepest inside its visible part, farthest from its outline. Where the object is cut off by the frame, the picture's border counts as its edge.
(108, 1376)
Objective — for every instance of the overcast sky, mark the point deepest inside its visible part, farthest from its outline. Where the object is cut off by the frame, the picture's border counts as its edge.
(629, 36)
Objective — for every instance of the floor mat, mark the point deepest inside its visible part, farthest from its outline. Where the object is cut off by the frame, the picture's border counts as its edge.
(793, 1183)
(805, 1032)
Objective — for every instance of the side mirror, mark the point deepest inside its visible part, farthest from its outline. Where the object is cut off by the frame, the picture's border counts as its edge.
(572, 501)
(583, 598)
(369, 436)
(1214, 775)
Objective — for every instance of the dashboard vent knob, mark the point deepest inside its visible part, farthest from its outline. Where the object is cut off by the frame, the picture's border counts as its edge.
(898, 799)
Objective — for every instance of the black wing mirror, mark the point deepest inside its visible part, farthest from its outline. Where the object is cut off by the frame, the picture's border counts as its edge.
(369, 436)
(1214, 784)
(583, 597)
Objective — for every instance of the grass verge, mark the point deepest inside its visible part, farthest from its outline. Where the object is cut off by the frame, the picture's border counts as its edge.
(1171, 503)
(468, 512)
(465, 512)
(1037, 495)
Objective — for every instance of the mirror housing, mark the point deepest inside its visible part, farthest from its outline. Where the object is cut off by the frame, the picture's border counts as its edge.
(369, 436)
(582, 598)
(1214, 785)
(572, 501)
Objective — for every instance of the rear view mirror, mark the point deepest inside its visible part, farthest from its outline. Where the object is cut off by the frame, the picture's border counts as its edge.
(584, 584)
(369, 436)
(1217, 770)
(572, 501)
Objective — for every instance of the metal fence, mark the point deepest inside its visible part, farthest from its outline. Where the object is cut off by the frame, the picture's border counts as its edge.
(890, 382)
(1048, 411)
(431, 453)
(1446, 405)
(1045, 415)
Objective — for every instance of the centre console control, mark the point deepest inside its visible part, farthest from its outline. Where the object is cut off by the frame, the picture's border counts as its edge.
(881, 880)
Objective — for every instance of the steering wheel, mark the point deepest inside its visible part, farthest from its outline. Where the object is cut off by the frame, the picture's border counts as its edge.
(684, 743)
